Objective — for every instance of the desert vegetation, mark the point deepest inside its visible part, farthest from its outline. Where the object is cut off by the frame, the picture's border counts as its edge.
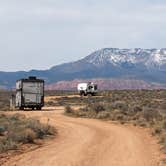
(16, 130)
(146, 108)
(58, 93)
(5, 100)
(19, 134)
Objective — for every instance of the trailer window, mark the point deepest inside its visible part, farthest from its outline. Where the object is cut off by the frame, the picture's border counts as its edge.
(90, 87)
(95, 87)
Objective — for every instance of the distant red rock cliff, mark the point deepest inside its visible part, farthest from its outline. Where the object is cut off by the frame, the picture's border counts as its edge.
(106, 84)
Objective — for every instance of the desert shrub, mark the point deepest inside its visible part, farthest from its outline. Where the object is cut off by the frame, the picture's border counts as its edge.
(103, 115)
(164, 124)
(163, 141)
(68, 109)
(163, 105)
(59, 92)
(160, 127)
(97, 107)
(157, 130)
(141, 122)
(16, 118)
(119, 117)
(23, 136)
(50, 103)
(121, 105)
(2, 130)
(80, 114)
(16, 129)
(150, 114)
(29, 136)
(4, 100)
(40, 129)
(84, 109)
(7, 144)
(137, 109)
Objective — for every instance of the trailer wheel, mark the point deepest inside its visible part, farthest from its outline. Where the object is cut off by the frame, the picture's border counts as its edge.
(82, 93)
(85, 94)
(38, 108)
(21, 108)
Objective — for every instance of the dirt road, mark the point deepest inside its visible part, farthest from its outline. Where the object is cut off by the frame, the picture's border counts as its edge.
(88, 142)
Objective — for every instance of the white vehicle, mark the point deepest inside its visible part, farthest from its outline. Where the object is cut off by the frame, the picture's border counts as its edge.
(30, 93)
(87, 88)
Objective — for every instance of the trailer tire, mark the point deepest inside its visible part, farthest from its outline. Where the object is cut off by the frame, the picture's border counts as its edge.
(38, 108)
(21, 108)
(82, 93)
(85, 94)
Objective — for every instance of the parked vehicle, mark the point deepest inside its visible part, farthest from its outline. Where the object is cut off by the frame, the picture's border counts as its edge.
(30, 93)
(87, 88)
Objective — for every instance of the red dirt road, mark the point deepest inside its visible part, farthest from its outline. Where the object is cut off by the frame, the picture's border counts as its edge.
(89, 142)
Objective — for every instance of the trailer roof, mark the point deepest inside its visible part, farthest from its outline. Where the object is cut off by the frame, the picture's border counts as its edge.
(31, 79)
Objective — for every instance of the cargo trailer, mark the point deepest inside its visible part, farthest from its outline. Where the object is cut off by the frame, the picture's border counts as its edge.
(30, 93)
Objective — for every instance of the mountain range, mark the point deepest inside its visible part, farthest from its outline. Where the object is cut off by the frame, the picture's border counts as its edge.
(145, 65)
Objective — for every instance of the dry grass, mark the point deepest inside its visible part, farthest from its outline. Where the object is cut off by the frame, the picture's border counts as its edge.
(5, 100)
(17, 129)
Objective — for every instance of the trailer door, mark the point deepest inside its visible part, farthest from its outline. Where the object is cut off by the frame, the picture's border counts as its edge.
(32, 92)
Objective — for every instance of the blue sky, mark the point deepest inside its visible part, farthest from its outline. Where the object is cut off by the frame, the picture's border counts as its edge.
(38, 34)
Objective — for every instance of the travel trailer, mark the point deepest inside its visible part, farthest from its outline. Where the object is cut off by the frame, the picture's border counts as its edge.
(87, 88)
(30, 93)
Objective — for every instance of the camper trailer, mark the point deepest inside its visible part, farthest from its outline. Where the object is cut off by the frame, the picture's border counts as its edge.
(87, 88)
(30, 93)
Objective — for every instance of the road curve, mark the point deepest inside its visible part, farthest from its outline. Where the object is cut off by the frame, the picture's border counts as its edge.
(89, 142)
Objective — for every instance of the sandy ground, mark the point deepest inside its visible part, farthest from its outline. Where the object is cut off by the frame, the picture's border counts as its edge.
(49, 98)
(90, 142)
(53, 98)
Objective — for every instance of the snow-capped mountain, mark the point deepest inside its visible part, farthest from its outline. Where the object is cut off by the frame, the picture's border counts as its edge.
(148, 65)
(150, 58)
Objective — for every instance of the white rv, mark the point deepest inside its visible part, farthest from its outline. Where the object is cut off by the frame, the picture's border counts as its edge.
(87, 88)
